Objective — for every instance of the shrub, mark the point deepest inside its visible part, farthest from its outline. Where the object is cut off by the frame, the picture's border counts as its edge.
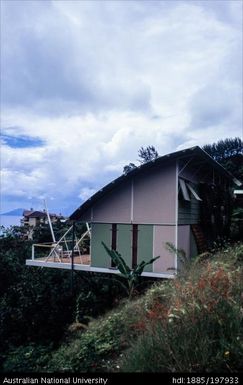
(98, 348)
(186, 342)
(37, 305)
(194, 323)
(27, 358)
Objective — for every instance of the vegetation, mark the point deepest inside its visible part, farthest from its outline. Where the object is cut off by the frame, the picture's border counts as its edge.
(237, 223)
(195, 323)
(131, 276)
(192, 323)
(145, 154)
(229, 153)
(129, 167)
(37, 305)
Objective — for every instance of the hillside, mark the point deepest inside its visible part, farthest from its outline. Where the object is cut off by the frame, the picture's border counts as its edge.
(15, 212)
(193, 323)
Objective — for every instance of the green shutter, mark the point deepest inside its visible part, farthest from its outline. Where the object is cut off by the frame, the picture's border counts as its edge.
(124, 242)
(145, 245)
(100, 232)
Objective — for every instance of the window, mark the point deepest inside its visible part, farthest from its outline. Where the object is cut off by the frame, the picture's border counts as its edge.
(185, 187)
(193, 192)
(184, 190)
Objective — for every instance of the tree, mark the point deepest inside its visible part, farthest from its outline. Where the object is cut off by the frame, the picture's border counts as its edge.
(146, 154)
(37, 305)
(129, 167)
(229, 153)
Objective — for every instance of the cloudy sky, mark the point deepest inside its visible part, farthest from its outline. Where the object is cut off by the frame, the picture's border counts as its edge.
(85, 84)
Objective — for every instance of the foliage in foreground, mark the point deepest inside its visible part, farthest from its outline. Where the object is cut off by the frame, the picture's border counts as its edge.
(193, 323)
(198, 329)
(130, 276)
(37, 305)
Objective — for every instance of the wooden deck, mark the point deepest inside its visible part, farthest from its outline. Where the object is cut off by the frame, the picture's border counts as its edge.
(84, 259)
(84, 264)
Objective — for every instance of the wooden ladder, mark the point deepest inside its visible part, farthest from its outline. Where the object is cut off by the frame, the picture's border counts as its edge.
(199, 238)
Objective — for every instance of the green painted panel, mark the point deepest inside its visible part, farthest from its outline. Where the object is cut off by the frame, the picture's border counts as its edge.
(124, 242)
(100, 232)
(189, 212)
(145, 245)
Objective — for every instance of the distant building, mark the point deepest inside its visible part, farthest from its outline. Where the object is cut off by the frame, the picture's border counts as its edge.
(34, 218)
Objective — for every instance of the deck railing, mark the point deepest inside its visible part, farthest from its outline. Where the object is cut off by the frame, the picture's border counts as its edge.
(62, 250)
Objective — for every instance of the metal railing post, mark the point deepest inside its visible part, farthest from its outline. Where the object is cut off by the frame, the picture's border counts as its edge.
(33, 252)
(72, 256)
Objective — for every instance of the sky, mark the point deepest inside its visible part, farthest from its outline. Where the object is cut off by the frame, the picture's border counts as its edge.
(85, 84)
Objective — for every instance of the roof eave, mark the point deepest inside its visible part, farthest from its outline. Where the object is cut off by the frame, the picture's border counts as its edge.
(175, 155)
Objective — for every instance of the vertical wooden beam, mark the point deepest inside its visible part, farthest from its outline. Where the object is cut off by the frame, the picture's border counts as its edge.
(134, 245)
(113, 240)
(132, 201)
(176, 213)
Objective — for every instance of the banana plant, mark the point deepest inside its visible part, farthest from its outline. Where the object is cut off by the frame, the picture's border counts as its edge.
(130, 275)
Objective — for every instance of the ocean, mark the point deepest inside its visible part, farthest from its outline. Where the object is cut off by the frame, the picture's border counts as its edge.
(10, 220)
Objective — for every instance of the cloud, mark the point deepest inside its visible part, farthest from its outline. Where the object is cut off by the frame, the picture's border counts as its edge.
(86, 193)
(93, 82)
(215, 105)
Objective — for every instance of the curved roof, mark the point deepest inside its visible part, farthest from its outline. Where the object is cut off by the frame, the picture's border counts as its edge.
(146, 166)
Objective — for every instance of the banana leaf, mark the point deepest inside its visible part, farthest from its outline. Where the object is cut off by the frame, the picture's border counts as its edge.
(118, 261)
(139, 268)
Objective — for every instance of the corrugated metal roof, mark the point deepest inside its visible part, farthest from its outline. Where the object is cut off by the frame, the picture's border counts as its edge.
(146, 166)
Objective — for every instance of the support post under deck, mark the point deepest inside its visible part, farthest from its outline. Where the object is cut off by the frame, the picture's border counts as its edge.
(72, 255)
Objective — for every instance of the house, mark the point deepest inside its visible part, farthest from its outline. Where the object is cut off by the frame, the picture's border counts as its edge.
(35, 218)
(182, 198)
